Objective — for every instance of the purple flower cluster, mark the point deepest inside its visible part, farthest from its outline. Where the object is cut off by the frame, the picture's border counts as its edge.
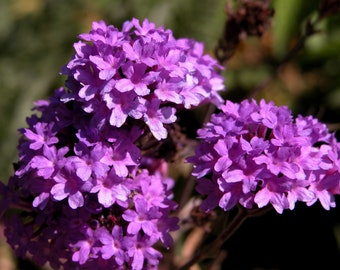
(88, 192)
(257, 154)
(141, 72)
(90, 179)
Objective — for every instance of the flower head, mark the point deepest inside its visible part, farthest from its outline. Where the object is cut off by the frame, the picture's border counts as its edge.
(257, 154)
(141, 72)
(87, 181)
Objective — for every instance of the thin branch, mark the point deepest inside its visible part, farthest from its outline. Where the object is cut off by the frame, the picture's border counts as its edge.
(310, 29)
(209, 250)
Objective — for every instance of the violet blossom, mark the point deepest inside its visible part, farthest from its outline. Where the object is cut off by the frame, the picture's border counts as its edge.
(141, 72)
(257, 154)
(92, 180)
(86, 182)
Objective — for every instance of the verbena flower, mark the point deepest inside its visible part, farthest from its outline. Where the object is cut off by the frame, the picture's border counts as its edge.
(84, 192)
(257, 154)
(141, 72)
(120, 227)
(91, 193)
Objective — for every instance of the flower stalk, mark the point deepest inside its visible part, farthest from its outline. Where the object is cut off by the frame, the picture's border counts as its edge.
(211, 248)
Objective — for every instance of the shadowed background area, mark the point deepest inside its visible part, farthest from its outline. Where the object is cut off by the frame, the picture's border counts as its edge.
(283, 50)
